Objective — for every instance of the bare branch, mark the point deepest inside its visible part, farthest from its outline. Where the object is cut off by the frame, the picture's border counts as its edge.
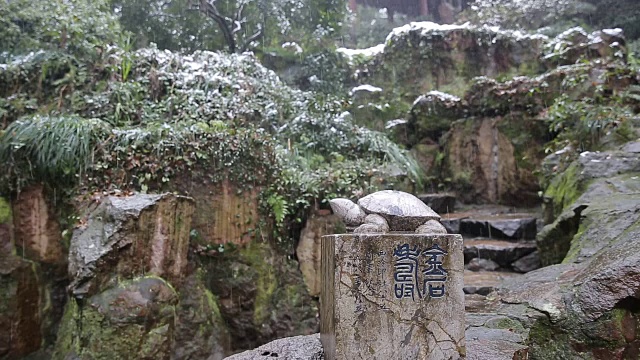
(251, 39)
(209, 9)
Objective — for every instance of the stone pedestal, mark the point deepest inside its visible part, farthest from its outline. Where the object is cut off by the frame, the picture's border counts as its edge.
(392, 296)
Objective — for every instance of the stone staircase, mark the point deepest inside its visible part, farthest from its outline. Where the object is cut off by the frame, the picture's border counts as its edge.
(499, 243)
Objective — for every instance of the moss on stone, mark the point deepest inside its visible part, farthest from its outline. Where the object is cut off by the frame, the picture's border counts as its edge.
(110, 327)
(565, 189)
(5, 211)
(505, 323)
(66, 343)
(256, 255)
(545, 343)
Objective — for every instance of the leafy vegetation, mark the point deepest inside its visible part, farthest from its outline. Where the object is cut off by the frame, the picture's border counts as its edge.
(145, 120)
(231, 25)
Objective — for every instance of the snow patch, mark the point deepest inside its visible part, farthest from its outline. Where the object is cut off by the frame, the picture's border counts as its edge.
(613, 32)
(368, 88)
(368, 52)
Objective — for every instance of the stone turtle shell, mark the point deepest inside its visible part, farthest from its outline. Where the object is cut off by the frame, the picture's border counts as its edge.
(403, 211)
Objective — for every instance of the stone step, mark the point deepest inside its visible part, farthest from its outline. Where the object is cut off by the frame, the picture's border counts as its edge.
(443, 203)
(503, 253)
(491, 336)
(484, 282)
(492, 222)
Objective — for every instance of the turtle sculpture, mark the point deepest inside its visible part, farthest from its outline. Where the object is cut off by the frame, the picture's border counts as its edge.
(388, 210)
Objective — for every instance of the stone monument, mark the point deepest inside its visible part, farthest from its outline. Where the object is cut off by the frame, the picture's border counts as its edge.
(392, 289)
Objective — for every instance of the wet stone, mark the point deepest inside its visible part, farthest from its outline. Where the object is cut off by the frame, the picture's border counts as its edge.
(392, 296)
(511, 226)
(484, 282)
(478, 264)
(527, 263)
(502, 252)
(440, 203)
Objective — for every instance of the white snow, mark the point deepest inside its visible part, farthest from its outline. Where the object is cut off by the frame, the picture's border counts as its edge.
(613, 32)
(443, 95)
(424, 27)
(368, 88)
(368, 52)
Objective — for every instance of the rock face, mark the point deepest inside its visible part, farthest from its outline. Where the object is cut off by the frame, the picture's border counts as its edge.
(222, 212)
(294, 348)
(37, 230)
(133, 319)
(483, 159)
(200, 331)
(132, 294)
(392, 296)
(22, 301)
(262, 295)
(131, 236)
(587, 306)
(308, 250)
(589, 187)
(424, 56)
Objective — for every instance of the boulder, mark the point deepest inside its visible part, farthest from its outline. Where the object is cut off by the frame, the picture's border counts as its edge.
(527, 263)
(589, 188)
(564, 189)
(587, 307)
(126, 237)
(495, 337)
(306, 347)
(133, 319)
(308, 249)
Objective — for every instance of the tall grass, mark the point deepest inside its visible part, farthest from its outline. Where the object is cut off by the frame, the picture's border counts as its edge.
(52, 147)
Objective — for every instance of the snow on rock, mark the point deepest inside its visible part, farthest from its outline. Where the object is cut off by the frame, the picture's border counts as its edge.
(368, 52)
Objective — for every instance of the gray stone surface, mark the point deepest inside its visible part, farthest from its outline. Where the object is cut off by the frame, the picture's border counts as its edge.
(502, 226)
(401, 211)
(308, 249)
(495, 337)
(502, 252)
(293, 348)
(368, 312)
(478, 264)
(440, 203)
(527, 263)
(129, 236)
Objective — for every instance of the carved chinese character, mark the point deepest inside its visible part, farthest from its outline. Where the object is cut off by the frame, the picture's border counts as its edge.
(434, 275)
(406, 271)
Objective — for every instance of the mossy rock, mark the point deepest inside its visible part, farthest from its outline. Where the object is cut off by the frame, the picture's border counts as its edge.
(261, 293)
(133, 319)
